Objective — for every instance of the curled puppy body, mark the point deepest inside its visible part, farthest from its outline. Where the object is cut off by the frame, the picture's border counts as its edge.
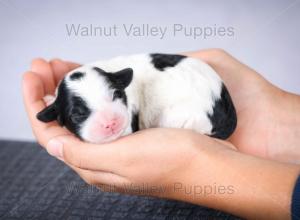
(102, 101)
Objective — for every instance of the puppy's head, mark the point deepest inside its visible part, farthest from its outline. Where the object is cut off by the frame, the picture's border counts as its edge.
(92, 104)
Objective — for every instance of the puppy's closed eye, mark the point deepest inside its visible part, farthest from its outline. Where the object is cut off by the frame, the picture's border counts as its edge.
(78, 115)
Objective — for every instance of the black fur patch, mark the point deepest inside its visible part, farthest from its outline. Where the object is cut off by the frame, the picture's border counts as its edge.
(120, 94)
(76, 75)
(135, 122)
(162, 61)
(224, 118)
(48, 114)
(118, 81)
(68, 109)
(72, 110)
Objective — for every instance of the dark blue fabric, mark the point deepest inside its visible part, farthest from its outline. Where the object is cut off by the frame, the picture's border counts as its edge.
(35, 186)
(296, 201)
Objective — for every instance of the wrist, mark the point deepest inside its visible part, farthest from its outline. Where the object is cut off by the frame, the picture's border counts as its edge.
(293, 101)
(286, 127)
(240, 184)
(203, 181)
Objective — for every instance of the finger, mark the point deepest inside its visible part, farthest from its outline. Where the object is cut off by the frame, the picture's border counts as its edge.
(72, 65)
(33, 87)
(61, 68)
(33, 93)
(108, 157)
(224, 64)
(226, 143)
(43, 69)
(204, 55)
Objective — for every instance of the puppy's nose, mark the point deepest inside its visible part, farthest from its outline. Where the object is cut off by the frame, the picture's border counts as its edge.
(110, 125)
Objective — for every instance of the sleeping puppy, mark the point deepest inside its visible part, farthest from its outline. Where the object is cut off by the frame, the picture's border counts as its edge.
(102, 101)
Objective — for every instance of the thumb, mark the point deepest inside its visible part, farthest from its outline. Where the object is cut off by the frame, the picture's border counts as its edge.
(88, 156)
(58, 146)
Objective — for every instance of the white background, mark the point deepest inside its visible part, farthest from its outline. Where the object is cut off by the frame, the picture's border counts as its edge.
(266, 38)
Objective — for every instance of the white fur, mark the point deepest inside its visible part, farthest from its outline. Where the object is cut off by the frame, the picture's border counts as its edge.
(49, 99)
(179, 96)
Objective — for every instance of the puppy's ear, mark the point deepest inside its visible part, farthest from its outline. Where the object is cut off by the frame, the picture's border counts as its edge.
(118, 80)
(48, 114)
(122, 78)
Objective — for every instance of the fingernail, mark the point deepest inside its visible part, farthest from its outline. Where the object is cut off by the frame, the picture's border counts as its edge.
(55, 148)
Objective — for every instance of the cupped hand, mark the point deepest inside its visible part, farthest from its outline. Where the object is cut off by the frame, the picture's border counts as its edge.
(41, 80)
(264, 128)
(268, 117)
(153, 156)
(161, 157)
(148, 162)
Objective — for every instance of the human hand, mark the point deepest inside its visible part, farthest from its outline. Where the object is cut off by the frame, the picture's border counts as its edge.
(268, 117)
(264, 127)
(183, 165)
(167, 163)
(156, 157)
(176, 155)
(148, 162)
(40, 81)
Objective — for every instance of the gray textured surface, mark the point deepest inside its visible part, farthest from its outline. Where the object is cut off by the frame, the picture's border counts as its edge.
(34, 185)
(266, 38)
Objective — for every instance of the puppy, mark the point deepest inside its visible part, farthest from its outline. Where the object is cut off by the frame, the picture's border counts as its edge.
(102, 101)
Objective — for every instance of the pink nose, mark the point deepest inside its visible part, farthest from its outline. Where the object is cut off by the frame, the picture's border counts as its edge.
(106, 123)
(110, 125)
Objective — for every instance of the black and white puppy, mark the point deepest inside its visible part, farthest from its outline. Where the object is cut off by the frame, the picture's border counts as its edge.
(102, 101)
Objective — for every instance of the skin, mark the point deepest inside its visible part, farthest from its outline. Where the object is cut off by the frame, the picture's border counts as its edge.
(248, 170)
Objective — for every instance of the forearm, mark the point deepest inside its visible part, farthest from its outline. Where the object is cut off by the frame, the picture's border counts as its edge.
(286, 130)
(246, 186)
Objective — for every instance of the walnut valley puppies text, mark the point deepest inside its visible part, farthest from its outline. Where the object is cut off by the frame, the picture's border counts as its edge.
(146, 189)
(148, 30)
